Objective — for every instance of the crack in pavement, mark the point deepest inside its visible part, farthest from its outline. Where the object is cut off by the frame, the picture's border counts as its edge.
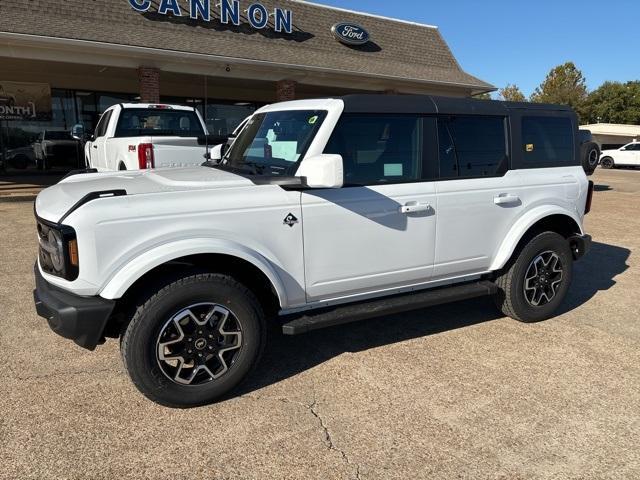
(66, 374)
(312, 408)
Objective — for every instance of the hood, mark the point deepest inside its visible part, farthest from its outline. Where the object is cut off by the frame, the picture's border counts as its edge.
(53, 202)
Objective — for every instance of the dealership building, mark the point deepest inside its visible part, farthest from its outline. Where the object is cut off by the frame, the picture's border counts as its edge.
(224, 57)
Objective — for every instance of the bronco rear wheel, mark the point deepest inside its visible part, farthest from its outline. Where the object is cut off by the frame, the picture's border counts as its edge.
(194, 340)
(536, 280)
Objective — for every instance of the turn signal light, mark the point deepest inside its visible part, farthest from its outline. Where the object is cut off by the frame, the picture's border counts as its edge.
(146, 159)
(73, 252)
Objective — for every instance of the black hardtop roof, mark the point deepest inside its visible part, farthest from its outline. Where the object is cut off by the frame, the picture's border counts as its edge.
(430, 104)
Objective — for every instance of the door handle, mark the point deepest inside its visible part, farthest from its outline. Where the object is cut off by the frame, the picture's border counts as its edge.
(94, 146)
(413, 207)
(506, 199)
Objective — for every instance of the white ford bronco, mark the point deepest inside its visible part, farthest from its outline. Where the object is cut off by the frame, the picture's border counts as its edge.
(322, 212)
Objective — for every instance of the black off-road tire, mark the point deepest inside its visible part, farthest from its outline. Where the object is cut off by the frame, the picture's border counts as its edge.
(510, 298)
(607, 162)
(139, 342)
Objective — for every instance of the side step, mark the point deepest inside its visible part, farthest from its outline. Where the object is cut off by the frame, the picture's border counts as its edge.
(321, 318)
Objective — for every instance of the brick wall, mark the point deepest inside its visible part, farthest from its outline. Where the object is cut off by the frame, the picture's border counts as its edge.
(285, 90)
(149, 79)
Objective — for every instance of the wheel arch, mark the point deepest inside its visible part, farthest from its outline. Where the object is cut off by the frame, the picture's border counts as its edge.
(557, 220)
(218, 256)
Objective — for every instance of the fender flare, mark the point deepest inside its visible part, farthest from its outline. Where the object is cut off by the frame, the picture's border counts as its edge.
(522, 225)
(126, 276)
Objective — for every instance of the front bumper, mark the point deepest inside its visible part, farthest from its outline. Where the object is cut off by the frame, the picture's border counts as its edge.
(81, 319)
(580, 245)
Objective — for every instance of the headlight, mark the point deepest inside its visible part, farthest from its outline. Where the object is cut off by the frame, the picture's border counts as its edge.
(58, 251)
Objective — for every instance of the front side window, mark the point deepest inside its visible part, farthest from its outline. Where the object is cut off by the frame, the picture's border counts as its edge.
(101, 128)
(547, 140)
(378, 149)
(633, 147)
(472, 146)
(273, 143)
(138, 122)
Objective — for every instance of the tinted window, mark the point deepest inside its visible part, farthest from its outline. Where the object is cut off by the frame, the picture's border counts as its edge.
(547, 140)
(472, 146)
(633, 147)
(101, 128)
(378, 149)
(134, 122)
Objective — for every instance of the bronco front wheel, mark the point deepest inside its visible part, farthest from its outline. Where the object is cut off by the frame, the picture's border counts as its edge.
(194, 340)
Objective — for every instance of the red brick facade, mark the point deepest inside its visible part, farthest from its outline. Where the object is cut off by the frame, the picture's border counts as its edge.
(149, 80)
(285, 90)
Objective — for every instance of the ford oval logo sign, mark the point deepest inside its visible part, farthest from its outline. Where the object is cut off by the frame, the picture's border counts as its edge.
(350, 33)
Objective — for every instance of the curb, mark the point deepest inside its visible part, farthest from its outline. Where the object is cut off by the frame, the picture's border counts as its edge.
(18, 198)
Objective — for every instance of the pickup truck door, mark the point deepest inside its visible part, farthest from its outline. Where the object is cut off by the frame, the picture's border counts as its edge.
(378, 231)
(98, 144)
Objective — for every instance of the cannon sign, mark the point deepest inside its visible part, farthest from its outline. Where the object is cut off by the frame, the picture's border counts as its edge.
(25, 101)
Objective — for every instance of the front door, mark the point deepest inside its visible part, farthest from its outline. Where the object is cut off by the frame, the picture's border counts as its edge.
(378, 231)
(97, 151)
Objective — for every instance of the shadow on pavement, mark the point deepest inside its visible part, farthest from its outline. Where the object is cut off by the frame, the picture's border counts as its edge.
(286, 356)
(602, 188)
(595, 272)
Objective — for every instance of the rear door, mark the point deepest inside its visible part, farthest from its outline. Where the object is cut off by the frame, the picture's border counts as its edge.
(478, 197)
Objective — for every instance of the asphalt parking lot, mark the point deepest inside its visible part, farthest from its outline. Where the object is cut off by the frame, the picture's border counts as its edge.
(454, 391)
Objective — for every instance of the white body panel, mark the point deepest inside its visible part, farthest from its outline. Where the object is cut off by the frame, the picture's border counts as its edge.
(110, 153)
(627, 156)
(345, 243)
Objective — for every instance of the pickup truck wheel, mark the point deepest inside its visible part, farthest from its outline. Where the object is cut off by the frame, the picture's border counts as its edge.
(607, 162)
(194, 340)
(536, 281)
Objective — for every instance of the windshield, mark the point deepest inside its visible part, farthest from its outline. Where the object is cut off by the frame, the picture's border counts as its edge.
(273, 143)
(138, 122)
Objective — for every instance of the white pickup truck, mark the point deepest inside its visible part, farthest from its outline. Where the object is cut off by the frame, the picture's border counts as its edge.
(139, 136)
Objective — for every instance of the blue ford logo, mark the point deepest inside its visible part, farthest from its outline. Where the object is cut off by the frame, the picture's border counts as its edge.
(350, 33)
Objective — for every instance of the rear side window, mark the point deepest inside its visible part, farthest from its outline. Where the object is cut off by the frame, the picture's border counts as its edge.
(135, 122)
(547, 141)
(380, 149)
(472, 146)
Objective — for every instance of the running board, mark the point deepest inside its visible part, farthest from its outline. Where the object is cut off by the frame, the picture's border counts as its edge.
(321, 318)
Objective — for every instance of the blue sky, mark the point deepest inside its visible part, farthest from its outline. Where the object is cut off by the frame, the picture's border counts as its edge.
(518, 42)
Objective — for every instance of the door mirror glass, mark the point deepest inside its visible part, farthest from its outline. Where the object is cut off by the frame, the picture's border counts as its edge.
(77, 132)
(322, 171)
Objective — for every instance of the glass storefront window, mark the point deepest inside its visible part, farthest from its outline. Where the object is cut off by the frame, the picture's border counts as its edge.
(48, 145)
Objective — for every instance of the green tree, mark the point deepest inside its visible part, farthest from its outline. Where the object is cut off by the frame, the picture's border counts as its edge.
(613, 102)
(564, 85)
(511, 93)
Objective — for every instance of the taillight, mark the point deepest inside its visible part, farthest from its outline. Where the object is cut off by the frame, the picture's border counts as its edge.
(587, 207)
(145, 156)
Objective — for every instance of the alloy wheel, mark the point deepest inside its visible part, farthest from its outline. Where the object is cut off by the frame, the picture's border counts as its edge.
(199, 344)
(543, 278)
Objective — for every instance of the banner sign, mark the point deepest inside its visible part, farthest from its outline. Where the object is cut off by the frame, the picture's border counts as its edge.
(25, 101)
(225, 11)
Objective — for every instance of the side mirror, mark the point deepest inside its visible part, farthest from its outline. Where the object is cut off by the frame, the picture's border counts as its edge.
(77, 132)
(215, 153)
(322, 171)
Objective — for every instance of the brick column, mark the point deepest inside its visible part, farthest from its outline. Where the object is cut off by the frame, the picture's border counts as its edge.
(149, 80)
(285, 90)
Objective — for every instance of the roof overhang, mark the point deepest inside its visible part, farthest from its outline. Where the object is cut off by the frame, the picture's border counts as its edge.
(37, 47)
